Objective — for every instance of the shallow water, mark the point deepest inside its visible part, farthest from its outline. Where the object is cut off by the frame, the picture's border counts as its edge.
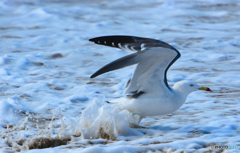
(46, 61)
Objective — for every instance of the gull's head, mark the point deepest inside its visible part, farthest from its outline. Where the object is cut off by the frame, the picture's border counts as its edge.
(186, 87)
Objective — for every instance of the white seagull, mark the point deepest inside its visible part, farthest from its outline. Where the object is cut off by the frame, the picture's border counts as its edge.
(148, 92)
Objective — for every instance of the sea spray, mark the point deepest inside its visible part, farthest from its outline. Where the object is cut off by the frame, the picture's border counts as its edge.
(103, 120)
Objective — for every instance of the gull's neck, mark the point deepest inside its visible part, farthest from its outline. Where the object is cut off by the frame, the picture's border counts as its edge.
(180, 96)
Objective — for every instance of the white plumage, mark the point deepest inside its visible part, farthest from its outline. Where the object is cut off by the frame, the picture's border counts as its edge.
(147, 92)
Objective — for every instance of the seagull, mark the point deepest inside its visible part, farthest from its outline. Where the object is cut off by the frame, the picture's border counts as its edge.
(147, 92)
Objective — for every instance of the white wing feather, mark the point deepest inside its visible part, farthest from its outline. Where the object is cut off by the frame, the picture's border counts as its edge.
(150, 70)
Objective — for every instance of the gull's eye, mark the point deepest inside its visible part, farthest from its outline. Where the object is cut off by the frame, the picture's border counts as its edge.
(191, 85)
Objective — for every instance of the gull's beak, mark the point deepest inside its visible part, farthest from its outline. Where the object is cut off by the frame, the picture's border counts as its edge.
(204, 88)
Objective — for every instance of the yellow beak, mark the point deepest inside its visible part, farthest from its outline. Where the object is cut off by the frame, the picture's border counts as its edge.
(204, 88)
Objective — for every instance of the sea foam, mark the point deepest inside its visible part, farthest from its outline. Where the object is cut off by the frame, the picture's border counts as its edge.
(103, 120)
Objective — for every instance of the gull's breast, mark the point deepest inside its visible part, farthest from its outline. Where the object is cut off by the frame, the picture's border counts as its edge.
(147, 106)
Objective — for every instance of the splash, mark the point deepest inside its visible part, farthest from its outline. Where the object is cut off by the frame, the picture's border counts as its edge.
(108, 121)
(98, 120)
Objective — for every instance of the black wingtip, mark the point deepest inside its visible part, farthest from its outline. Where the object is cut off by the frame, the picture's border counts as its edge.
(96, 39)
(92, 39)
(109, 40)
(92, 76)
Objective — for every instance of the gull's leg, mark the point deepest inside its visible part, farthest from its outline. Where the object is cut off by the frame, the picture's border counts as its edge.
(136, 125)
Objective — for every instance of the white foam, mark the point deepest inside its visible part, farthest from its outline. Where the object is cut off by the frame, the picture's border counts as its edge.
(8, 113)
(101, 119)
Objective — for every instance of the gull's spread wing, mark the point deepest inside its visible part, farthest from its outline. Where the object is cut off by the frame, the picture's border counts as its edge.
(153, 59)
